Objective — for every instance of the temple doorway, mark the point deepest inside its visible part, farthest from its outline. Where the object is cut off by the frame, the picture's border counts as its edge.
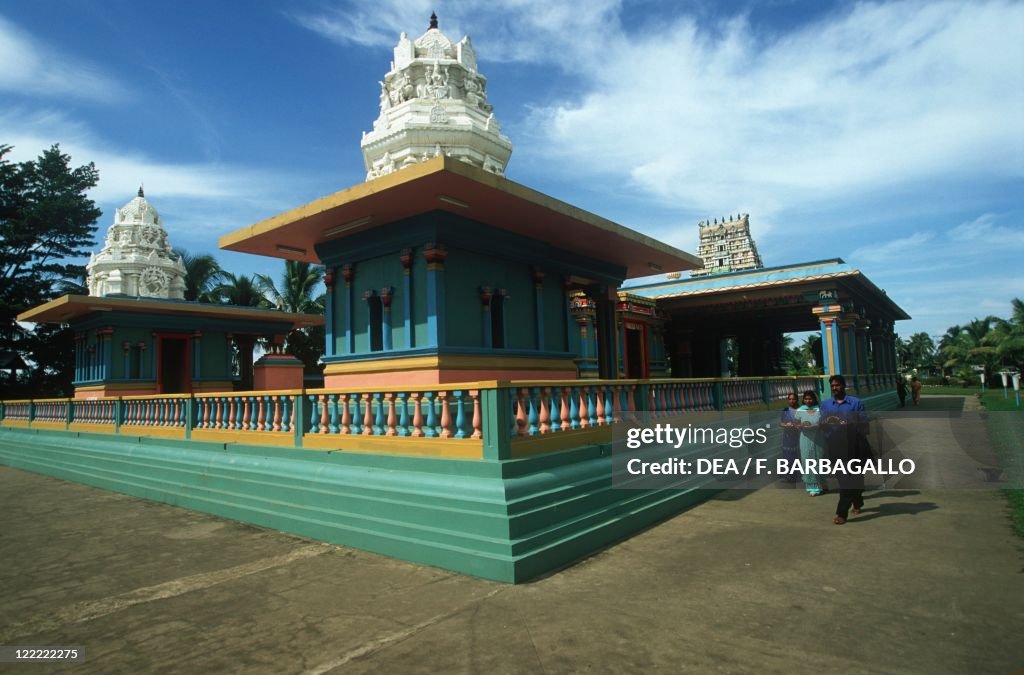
(636, 350)
(173, 376)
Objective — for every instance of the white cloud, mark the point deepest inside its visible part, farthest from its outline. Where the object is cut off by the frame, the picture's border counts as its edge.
(28, 65)
(208, 188)
(714, 118)
(890, 250)
(503, 30)
(985, 231)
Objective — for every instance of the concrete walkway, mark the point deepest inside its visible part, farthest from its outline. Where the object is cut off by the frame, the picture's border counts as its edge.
(921, 582)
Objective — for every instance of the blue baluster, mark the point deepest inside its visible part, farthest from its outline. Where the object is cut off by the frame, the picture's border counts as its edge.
(430, 428)
(286, 413)
(268, 416)
(574, 408)
(591, 406)
(460, 416)
(314, 417)
(403, 414)
(378, 419)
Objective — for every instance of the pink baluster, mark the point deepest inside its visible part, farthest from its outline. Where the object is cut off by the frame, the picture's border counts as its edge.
(392, 419)
(368, 415)
(346, 414)
(522, 423)
(277, 412)
(601, 421)
(417, 414)
(584, 409)
(477, 418)
(246, 413)
(446, 417)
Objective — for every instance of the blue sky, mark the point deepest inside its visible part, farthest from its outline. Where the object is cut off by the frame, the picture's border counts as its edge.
(888, 134)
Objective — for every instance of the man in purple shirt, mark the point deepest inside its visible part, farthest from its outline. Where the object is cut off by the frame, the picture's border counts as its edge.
(845, 425)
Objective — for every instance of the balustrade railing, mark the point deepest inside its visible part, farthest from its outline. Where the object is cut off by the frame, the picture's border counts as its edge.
(496, 415)
(94, 411)
(439, 413)
(247, 412)
(154, 411)
(20, 411)
(53, 410)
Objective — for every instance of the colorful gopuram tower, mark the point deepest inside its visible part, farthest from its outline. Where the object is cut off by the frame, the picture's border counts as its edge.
(727, 246)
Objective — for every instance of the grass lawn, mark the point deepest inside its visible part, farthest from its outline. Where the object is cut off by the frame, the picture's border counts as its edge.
(951, 391)
(1006, 431)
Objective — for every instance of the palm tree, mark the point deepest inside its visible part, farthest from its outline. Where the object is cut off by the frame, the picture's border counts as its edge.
(949, 353)
(920, 351)
(202, 275)
(239, 290)
(1006, 338)
(76, 285)
(242, 291)
(295, 293)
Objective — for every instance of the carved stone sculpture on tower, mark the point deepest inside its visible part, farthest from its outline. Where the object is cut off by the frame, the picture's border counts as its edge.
(136, 258)
(434, 98)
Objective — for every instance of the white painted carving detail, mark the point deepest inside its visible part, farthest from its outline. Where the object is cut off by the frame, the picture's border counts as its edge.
(136, 258)
(434, 97)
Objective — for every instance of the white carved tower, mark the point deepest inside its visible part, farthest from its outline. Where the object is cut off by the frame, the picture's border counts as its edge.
(136, 258)
(433, 101)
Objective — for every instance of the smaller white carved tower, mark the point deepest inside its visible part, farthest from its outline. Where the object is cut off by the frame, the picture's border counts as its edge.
(433, 102)
(726, 246)
(136, 258)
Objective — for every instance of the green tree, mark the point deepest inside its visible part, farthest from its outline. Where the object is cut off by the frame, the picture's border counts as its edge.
(298, 283)
(203, 275)
(1006, 338)
(240, 290)
(919, 352)
(805, 358)
(971, 346)
(295, 294)
(46, 221)
(243, 292)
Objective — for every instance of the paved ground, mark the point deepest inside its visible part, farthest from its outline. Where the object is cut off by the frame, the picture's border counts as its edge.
(922, 582)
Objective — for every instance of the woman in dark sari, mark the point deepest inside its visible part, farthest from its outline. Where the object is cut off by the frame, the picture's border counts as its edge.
(790, 437)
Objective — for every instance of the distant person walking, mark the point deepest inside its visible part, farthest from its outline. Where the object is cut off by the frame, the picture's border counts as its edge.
(809, 418)
(915, 389)
(844, 424)
(790, 436)
(901, 390)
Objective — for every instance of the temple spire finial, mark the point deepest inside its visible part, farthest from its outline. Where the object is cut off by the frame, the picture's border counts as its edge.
(433, 20)
(140, 191)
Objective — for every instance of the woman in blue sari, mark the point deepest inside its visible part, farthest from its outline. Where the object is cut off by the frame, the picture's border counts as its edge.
(811, 443)
(790, 437)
